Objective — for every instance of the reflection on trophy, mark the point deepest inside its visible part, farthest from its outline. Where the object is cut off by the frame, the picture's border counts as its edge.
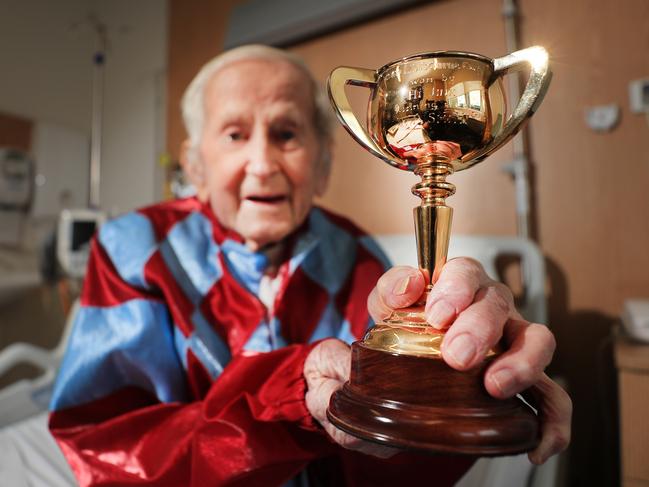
(432, 114)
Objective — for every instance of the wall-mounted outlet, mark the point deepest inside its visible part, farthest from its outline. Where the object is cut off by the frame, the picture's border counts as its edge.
(639, 95)
(602, 118)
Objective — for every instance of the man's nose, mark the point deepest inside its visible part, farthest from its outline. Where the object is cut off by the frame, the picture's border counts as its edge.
(263, 157)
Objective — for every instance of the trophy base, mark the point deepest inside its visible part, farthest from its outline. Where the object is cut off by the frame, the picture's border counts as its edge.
(420, 403)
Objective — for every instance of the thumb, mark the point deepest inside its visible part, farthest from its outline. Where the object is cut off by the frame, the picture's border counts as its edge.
(398, 288)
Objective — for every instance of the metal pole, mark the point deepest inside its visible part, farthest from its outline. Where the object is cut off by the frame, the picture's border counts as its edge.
(97, 113)
(519, 166)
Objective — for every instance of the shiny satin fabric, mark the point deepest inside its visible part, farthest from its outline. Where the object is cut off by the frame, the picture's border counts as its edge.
(177, 375)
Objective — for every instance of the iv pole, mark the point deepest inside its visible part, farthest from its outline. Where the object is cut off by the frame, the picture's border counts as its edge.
(519, 167)
(97, 111)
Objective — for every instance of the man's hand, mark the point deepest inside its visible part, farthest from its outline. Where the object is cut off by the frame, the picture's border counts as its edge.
(326, 369)
(477, 312)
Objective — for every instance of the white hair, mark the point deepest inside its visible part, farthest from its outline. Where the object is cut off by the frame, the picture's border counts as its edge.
(193, 100)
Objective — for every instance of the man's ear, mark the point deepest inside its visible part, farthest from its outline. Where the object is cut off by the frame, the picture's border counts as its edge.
(192, 167)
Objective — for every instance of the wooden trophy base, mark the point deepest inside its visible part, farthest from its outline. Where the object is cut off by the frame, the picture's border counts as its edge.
(420, 403)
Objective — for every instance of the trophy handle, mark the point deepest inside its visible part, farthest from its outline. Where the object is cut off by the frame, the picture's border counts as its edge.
(338, 79)
(536, 59)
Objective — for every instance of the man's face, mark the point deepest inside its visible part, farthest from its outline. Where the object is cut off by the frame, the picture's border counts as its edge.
(259, 149)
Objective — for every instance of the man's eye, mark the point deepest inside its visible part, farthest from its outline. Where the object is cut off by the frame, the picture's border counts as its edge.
(286, 135)
(234, 136)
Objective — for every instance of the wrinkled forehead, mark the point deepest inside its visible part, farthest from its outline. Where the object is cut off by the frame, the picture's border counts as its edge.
(246, 83)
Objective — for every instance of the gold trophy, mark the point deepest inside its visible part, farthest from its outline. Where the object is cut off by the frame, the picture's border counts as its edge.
(433, 114)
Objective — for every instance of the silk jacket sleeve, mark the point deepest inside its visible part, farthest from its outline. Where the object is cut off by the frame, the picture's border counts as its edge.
(129, 409)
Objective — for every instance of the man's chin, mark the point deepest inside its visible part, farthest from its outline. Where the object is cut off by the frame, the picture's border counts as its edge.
(260, 237)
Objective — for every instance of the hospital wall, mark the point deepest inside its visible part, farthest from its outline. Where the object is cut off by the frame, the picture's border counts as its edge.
(589, 189)
(46, 54)
(47, 50)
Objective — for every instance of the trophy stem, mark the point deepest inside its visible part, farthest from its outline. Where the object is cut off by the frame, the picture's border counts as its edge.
(433, 218)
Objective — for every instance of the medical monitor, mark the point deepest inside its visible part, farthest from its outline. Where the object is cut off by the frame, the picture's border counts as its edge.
(75, 231)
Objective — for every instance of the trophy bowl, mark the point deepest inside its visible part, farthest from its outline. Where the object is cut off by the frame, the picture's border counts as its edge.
(433, 114)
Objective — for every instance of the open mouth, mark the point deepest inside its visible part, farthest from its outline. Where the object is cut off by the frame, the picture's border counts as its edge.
(267, 199)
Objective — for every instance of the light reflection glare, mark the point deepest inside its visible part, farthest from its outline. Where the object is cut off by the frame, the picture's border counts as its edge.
(538, 57)
(488, 433)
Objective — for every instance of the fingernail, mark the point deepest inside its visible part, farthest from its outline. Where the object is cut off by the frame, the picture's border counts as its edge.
(440, 314)
(505, 382)
(462, 349)
(401, 286)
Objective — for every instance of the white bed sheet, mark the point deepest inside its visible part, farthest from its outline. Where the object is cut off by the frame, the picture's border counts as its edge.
(29, 456)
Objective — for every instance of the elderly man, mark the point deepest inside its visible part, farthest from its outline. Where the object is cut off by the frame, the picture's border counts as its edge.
(213, 329)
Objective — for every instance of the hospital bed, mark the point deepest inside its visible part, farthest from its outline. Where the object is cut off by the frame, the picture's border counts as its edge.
(30, 457)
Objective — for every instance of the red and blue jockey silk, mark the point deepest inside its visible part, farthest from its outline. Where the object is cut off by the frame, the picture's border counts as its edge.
(176, 373)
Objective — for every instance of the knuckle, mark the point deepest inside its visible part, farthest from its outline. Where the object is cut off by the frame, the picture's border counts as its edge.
(456, 297)
(455, 290)
(503, 292)
(527, 373)
(465, 268)
(470, 269)
(500, 297)
(468, 263)
(561, 439)
(543, 336)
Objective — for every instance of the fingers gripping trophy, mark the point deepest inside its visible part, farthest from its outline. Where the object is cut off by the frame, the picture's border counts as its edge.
(433, 114)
